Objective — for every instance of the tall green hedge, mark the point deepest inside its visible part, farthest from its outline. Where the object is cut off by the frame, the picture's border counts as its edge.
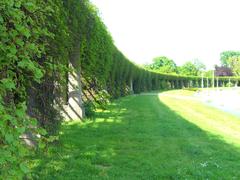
(38, 40)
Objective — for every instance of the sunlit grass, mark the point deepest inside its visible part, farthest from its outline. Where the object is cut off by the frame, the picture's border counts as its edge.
(208, 118)
(147, 137)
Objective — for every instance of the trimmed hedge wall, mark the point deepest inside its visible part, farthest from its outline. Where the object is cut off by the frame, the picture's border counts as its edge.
(38, 41)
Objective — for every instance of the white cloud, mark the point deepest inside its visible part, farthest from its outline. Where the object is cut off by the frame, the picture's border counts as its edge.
(182, 30)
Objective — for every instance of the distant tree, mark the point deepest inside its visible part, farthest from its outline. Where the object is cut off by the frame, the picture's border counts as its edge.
(208, 73)
(226, 55)
(192, 68)
(234, 63)
(163, 64)
(199, 65)
(231, 59)
(188, 69)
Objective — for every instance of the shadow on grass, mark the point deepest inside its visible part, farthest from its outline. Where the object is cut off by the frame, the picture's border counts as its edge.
(138, 138)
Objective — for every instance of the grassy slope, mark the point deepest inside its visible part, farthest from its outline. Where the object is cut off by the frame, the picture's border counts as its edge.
(147, 137)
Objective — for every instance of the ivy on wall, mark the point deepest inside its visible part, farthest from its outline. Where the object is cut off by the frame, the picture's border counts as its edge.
(22, 47)
(38, 40)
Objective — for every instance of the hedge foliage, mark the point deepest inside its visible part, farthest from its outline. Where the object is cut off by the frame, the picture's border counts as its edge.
(38, 40)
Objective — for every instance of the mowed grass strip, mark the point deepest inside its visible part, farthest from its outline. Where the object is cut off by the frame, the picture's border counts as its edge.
(208, 118)
(146, 137)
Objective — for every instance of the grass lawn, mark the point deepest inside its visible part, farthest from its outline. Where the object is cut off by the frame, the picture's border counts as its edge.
(147, 137)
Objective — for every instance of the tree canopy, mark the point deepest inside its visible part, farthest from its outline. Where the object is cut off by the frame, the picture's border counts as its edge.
(234, 63)
(225, 55)
(188, 68)
(231, 59)
(192, 68)
(163, 64)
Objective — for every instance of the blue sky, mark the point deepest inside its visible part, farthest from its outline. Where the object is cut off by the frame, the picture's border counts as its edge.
(181, 30)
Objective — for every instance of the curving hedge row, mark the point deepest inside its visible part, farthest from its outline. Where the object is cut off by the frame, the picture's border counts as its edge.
(38, 41)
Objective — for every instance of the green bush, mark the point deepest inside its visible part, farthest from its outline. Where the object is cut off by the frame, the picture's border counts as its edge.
(230, 84)
(89, 108)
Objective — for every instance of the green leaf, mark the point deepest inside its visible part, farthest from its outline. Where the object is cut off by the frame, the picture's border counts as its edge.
(20, 113)
(6, 117)
(22, 29)
(24, 168)
(20, 42)
(33, 122)
(2, 160)
(41, 145)
(42, 131)
(10, 3)
(29, 65)
(18, 4)
(26, 33)
(30, 6)
(53, 138)
(8, 84)
(9, 138)
(13, 121)
(26, 63)
(21, 130)
(38, 75)
(32, 46)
